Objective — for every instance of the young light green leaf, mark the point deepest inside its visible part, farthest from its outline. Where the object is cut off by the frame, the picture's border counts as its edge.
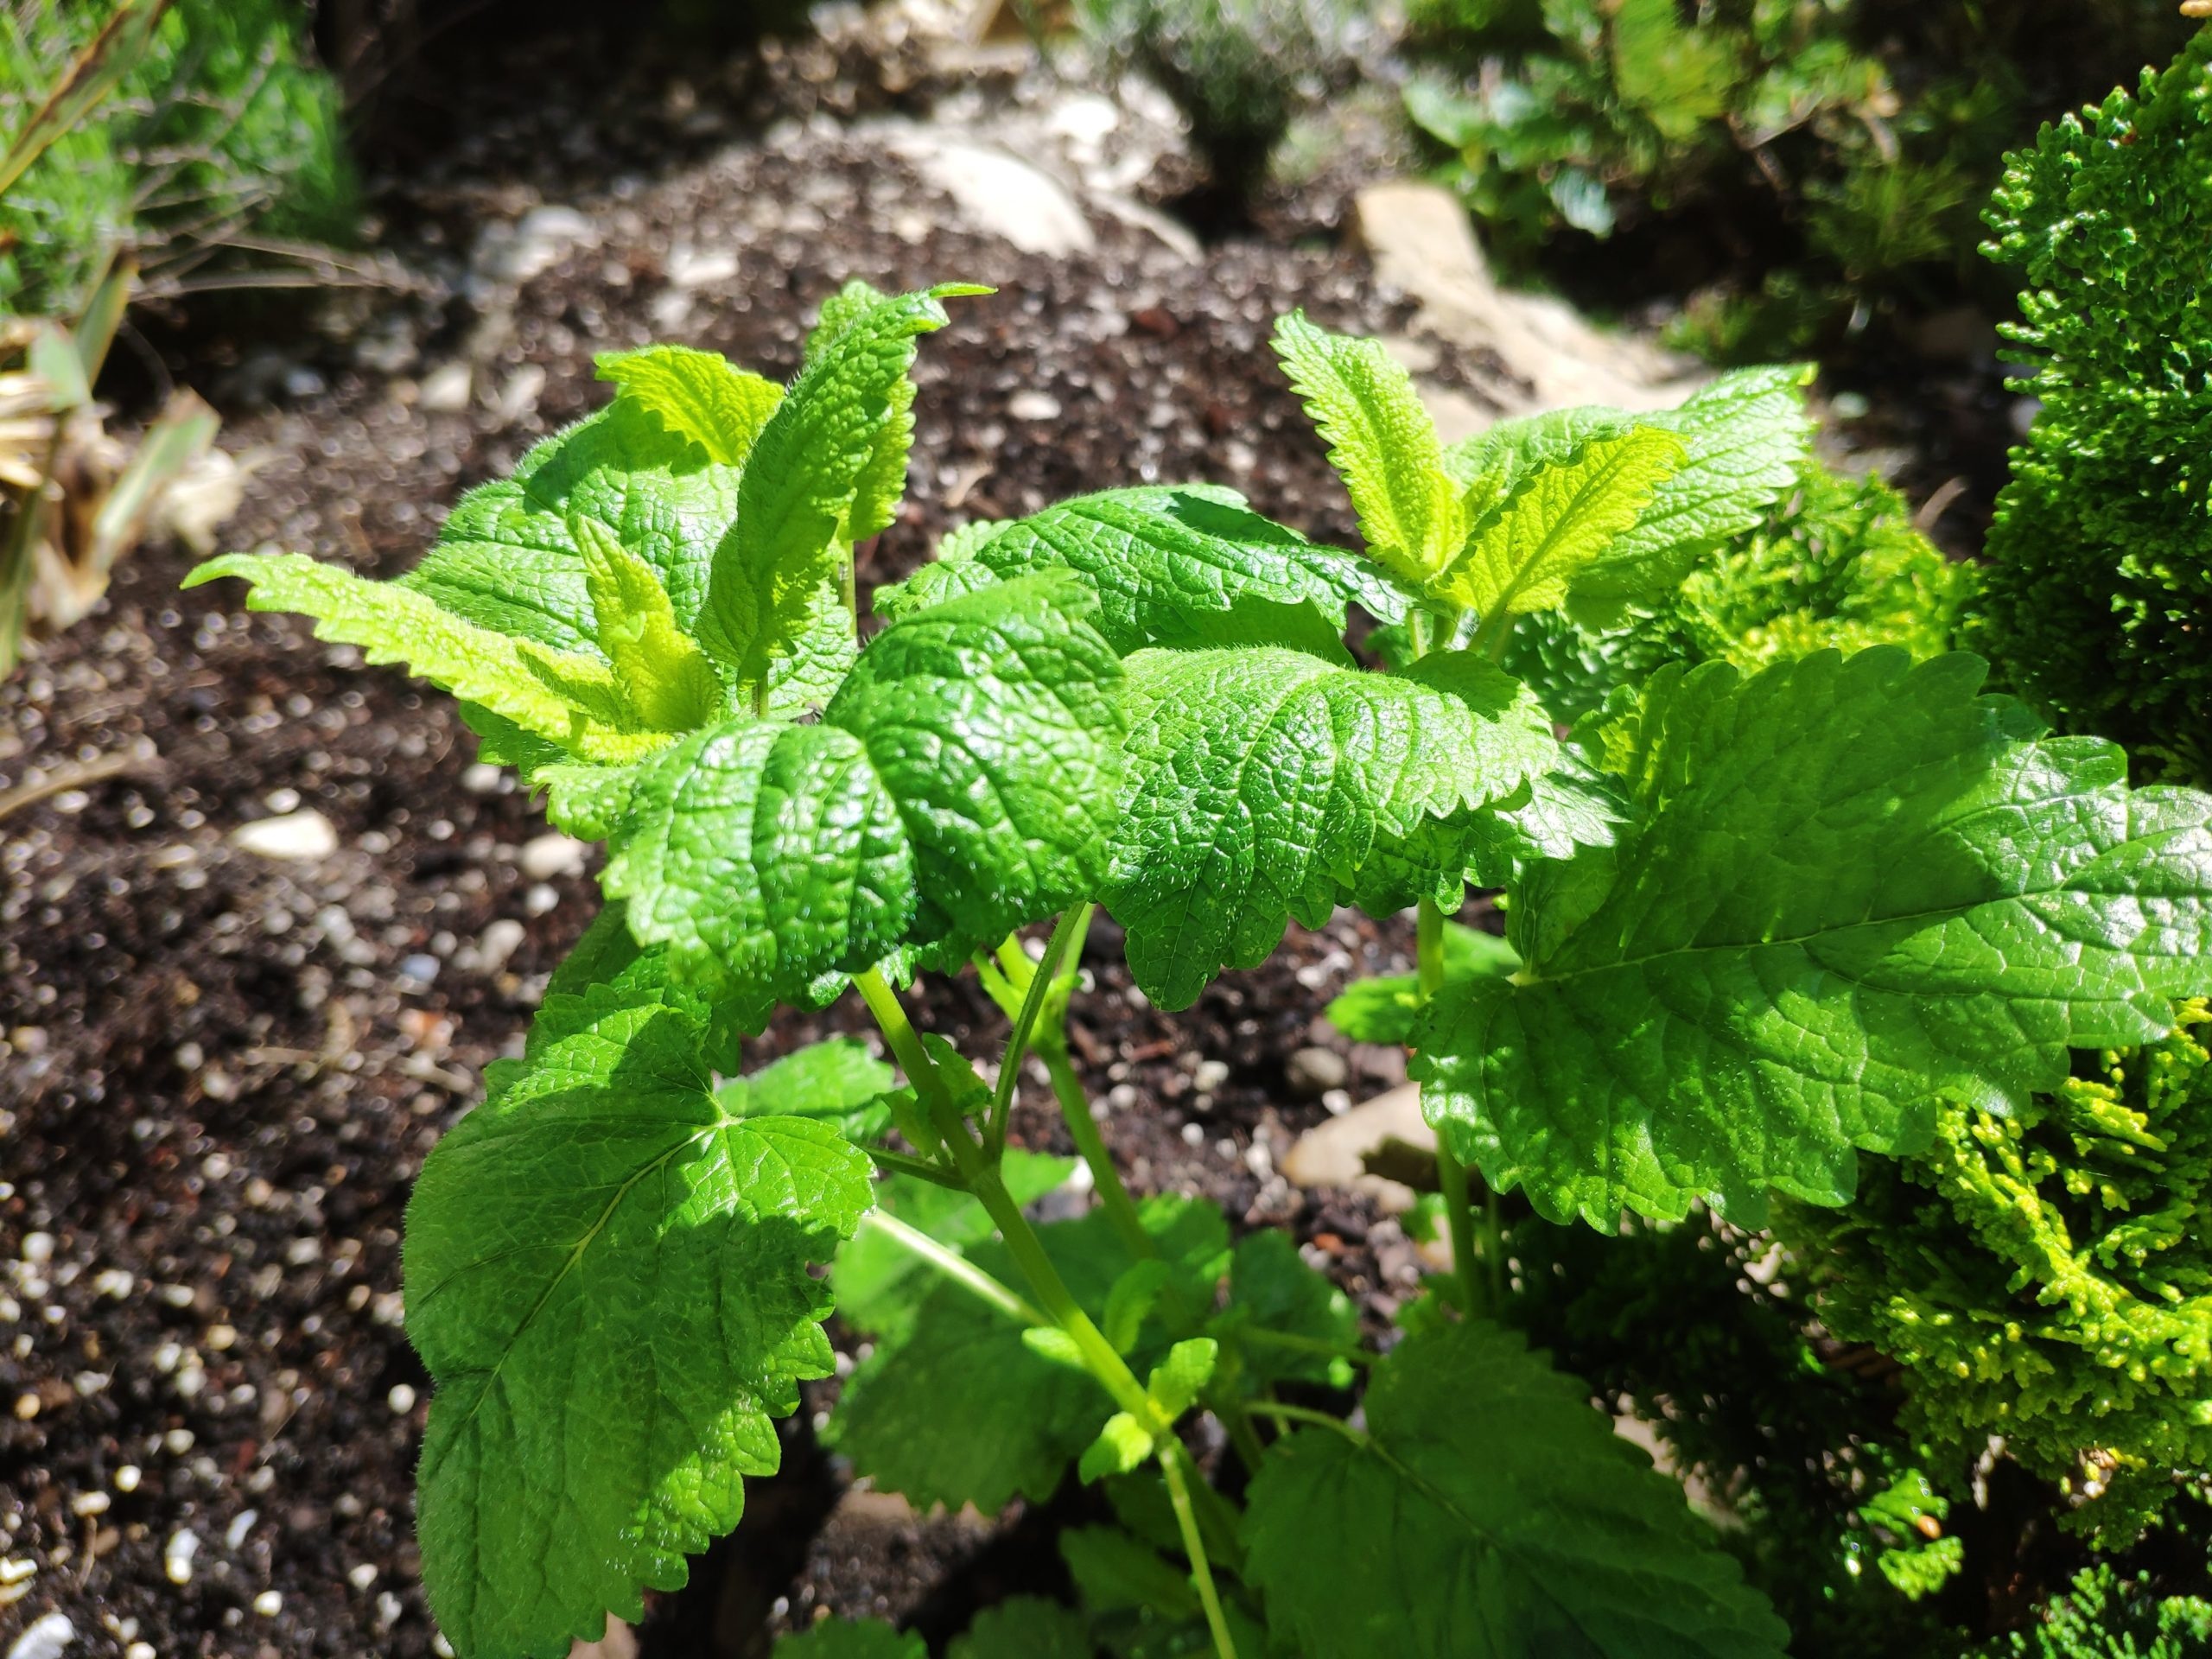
(882, 482)
(994, 722)
(851, 1638)
(1182, 566)
(913, 1417)
(1853, 886)
(1175, 1382)
(700, 396)
(1748, 435)
(801, 485)
(1489, 1513)
(1386, 1009)
(665, 680)
(1555, 520)
(1025, 1627)
(1259, 782)
(609, 1277)
(1381, 443)
(506, 559)
(1122, 1445)
(393, 624)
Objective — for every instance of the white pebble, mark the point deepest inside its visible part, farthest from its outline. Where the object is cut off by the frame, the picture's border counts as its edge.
(541, 901)
(140, 1650)
(38, 1248)
(439, 1646)
(127, 1479)
(87, 1504)
(501, 940)
(400, 1399)
(241, 1524)
(1210, 1076)
(113, 1282)
(481, 778)
(388, 1608)
(176, 1555)
(362, 1576)
(1033, 406)
(269, 1603)
(1193, 1134)
(17, 1570)
(179, 1441)
(302, 835)
(544, 857)
(47, 1638)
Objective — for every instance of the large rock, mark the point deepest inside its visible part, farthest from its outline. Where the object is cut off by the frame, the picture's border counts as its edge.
(1421, 244)
(1334, 1154)
(999, 193)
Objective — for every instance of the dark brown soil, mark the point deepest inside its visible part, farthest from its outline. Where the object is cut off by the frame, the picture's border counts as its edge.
(219, 1072)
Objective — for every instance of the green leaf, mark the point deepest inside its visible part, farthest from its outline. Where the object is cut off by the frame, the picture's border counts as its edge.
(764, 855)
(1175, 1382)
(1555, 520)
(665, 679)
(1115, 1570)
(838, 1082)
(916, 1417)
(1748, 435)
(994, 722)
(1381, 442)
(699, 395)
(880, 1282)
(393, 624)
(1386, 1009)
(1259, 782)
(802, 484)
(882, 481)
(609, 1277)
(1025, 1627)
(1188, 567)
(851, 1638)
(1489, 1513)
(1853, 887)
(1272, 1288)
(1122, 1445)
(506, 559)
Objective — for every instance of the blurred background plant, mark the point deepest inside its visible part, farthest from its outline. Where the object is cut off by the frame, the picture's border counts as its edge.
(218, 143)
(1802, 169)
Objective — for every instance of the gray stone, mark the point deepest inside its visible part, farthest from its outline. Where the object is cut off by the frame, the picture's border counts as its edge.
(1313, 1073)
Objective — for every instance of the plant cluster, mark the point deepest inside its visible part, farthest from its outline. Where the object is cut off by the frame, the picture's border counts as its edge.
(1838, 150)
(1762, 923)
(221, 124)
(2098, 599)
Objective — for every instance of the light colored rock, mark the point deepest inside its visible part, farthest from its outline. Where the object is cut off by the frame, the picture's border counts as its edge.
(1421, 242)
(1000, 194)
(533, 244)
(1334, 1154)
(1033, 406)
(690, 267)
(500, 940)
(1311, 1072)
(302, 836)
(446, 389)
(544, 857)
(47, 1637)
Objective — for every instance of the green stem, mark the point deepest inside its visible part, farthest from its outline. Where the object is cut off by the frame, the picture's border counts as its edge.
(1072, 922)
(905, 1043)
(898, 1163)
(1308, 1415)
(1083, 1129)
(1451, 1174)
(1172, 1459)
(957, 1268)
(1291, 1341)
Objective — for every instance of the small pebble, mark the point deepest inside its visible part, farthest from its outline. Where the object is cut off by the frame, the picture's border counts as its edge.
(1210, 1076)
(38, 1248)
(178, 1442)
(1033, 406)
(400, 1399)
(421, 968)
(176, 1555)
(302, 836)
(127, 1479)
(1311, 1072)
(545, 857)
(269, 1603)
(500, 940)
(1193, 1134)
(241, 1526)
(140, 1650)
(26, 1405)
(88, 1504)
(46, 1639)
(481, 778)
(362, 1576)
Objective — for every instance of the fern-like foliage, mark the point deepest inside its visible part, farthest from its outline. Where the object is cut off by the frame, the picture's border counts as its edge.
(2099, 601)
(2044, 1277)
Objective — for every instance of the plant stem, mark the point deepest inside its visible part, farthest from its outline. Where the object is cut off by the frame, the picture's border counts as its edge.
(905, 1043)
(1072, 922)
(1306, 1414)
(898, 1163)
(1083, 1129)
(957, 1268)
(1172, 1459)
(1451, 1174)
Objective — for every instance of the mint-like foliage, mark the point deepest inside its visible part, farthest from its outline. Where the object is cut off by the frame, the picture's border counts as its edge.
(2099, 573)
(1487, 1513)
(602, 1242)
(1854, 887)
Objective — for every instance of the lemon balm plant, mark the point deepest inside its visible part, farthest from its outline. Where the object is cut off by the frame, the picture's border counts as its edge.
(1761, 924)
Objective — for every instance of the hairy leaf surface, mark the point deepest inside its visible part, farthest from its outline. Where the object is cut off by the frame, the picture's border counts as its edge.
(609, 1277)
(1490, 1513)
(1853, 886)
(1260, 780)
(701, 396)
(837, 1082)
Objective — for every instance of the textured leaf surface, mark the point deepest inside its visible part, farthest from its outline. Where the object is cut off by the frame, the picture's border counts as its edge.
(1271, 1287)
(1184, 566)
(1490, 1513)
(1381, 443)
(1025, 1627)
(393, 624)
(608, 1278)
(994, 722)
(838, 1082)
(1748, 433)
(1555, 520)
(805, 477)
(665, 679)
(701, 396)
(958, 1409)
(1853, 886)
(1259, 781)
